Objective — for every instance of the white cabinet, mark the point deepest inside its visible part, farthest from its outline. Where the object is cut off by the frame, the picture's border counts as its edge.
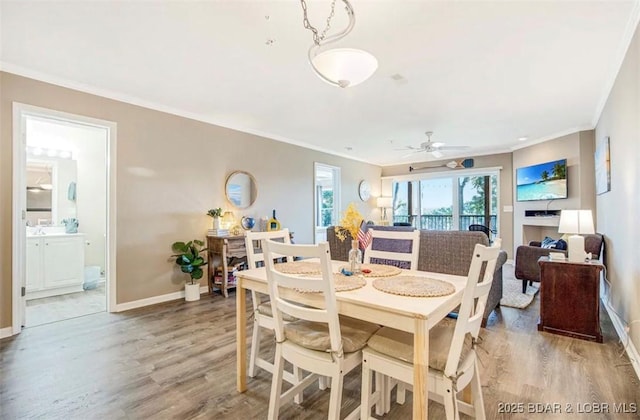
(34, 264)
(55, 265)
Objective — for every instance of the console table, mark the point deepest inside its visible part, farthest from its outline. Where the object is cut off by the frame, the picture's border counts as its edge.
(222, 251)
(570, 298)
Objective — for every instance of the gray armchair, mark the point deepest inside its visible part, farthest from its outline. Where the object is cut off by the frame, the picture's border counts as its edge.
(527, 268)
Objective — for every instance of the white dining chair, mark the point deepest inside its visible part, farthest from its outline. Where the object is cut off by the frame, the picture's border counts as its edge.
(452, 356)
(393, 247)
(262, 315)
(399, 248)
(319, 342)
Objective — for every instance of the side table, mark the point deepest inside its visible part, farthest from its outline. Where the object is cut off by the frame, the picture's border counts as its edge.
(570, 298)
(222, 249)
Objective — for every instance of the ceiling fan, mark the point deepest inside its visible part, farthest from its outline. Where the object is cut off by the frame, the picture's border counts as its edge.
(435, 148)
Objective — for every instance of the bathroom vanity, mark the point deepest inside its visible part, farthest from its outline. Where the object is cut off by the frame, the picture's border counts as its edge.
(55, 264)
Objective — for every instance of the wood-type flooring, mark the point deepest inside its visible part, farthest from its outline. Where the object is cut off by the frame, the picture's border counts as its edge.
(177, 360)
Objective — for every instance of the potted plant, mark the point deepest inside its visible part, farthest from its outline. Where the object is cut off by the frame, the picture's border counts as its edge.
(188, 257)
(216, 214)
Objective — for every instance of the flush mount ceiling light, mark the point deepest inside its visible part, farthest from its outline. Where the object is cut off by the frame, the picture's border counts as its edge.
(343, 67)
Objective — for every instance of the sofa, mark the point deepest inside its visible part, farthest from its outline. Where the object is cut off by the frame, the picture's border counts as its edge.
(527, 268)
(447, 252)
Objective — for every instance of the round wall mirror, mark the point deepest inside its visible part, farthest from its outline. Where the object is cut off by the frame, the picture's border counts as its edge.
(241, 189)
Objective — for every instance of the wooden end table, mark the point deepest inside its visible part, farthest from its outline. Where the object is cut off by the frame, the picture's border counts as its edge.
(570, 298)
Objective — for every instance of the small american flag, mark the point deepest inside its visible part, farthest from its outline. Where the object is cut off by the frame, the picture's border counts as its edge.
(364, 236)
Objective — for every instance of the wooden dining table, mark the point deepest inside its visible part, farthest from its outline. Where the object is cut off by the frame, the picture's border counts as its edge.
(416, 315)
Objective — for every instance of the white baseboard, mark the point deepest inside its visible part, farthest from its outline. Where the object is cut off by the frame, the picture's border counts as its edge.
(632, 352)
(6, 332)
(155, 300)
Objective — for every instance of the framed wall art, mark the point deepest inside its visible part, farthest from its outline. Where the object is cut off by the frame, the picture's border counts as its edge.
(603, 166)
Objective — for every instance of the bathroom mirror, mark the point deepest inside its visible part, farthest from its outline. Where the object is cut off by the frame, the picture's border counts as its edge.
(241, 189)
(51, 186)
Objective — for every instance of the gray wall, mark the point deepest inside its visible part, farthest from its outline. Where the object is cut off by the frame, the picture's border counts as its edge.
(185, 165)
(578, 149)
(619, 209)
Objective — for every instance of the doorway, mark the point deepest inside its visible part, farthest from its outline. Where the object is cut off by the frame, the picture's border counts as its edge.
(326, 199)
(63, 259)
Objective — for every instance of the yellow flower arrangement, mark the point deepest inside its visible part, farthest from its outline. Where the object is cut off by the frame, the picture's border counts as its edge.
(351, 221)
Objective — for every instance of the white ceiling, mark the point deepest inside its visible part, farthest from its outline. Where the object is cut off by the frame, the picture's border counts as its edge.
(477, 73)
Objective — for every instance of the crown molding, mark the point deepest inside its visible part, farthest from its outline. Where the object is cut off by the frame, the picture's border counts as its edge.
(132, 100)
(552, 136)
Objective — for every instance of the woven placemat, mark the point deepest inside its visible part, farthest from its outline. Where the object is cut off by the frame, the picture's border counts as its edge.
(378, 270)
(299, 267)
(342, 283)
(414, 286)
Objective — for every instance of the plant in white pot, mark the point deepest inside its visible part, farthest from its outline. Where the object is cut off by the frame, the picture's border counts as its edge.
(188, 257)
(216, 214)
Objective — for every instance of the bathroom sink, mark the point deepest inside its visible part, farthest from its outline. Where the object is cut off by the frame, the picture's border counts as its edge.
(45, 230)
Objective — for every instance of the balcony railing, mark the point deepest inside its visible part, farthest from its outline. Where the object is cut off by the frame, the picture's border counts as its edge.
(445, 222)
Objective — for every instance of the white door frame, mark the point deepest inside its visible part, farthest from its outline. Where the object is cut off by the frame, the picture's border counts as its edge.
(20, 113)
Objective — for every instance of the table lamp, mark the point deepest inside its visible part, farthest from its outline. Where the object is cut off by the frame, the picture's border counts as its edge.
(228, 220)
(385, 203)
(576, 222)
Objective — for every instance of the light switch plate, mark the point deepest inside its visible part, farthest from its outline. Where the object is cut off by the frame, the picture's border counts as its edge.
(507, 209)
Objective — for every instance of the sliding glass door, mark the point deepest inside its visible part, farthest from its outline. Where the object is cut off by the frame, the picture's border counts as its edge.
(447, 202)
(478, 201)
(437, 209)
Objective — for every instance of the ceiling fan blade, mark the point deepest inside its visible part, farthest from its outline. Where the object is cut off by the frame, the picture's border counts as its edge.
(410, 154)
(437, 154)
(408, 148)
(453, 147)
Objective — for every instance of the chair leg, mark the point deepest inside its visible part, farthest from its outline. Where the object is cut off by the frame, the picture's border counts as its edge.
(322, 383)
(255, 348)
(381, 390)
(365, 392)
(335, 399)
(401, 392)
(386, 395)
(297, 374)
(276, 385)
(449, 404)
(476, 390)
(524, 286)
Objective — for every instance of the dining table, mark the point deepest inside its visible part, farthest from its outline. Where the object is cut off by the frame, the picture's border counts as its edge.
(416, 315)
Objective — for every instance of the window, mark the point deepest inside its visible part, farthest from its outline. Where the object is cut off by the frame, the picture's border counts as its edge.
(326, 198)
(446, 202)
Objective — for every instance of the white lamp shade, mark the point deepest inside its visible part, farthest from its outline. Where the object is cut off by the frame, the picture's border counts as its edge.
(576, 221)
(385, 202)
(345, 66)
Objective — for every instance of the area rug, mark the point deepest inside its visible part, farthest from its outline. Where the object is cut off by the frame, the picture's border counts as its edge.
(512, 295)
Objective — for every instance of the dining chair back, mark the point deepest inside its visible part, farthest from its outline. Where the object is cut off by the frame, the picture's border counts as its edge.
(453, 359)
(314, 342)
(262, 316)
(393, 247)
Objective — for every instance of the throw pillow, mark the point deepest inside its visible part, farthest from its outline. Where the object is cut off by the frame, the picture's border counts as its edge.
(548, 243)
(561, 245)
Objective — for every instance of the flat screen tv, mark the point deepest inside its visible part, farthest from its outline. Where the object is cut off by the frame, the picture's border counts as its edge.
(545, 181)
